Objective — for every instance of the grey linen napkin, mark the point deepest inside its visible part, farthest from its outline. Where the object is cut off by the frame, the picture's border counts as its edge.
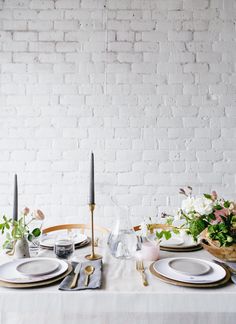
(233, 276)
(95, 280)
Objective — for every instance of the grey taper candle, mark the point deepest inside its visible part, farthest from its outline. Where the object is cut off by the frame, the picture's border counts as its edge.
(15, 201)
(91, 187)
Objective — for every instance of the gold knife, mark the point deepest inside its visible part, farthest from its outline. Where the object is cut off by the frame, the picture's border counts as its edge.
(76, 276)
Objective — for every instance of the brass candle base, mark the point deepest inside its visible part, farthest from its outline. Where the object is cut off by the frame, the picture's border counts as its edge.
(93, 255)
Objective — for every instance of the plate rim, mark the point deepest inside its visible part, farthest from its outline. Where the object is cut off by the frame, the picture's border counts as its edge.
(52, 246)
(77, 246)
(37, 260)
(182, 248)
(183, 274)
(200, 261)
(174, 245)
(214, 284)
(37, 284)
(37, 278)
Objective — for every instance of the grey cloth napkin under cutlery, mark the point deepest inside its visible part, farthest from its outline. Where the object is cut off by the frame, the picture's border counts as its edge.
(95, 280)
(233, 266)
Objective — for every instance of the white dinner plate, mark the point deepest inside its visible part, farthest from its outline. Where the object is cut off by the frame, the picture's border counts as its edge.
(216, 272)
(9, 273)
(49, 240)
(38, 267)
(177, 241)
(190, 267)
(172, 242)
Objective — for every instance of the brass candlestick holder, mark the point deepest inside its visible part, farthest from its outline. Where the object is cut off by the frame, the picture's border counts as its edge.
(92, 256)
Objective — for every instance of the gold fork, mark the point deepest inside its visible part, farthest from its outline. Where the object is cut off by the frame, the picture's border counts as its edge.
(140, 268)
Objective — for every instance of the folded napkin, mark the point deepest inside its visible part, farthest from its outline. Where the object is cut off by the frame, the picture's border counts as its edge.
(233, 276)
(95, 280)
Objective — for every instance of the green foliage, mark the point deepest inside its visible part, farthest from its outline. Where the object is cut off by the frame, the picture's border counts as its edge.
(220, 232)
(207, 196)
(30, 237)
(36, 232)
(196, 226)
(16, 230)
(233, 221)
(164, 233)
(176, 231)
(6, 224)
(169, 221)
(226, 204)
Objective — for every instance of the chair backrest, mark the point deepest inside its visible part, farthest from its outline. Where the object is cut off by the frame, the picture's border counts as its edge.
(70, 227)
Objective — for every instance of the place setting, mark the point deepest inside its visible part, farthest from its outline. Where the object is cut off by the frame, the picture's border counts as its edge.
(190, 272)
(180, 244)
(30, 272)
(207, 222)
(183, 271)
(49, 240)
(37, 272)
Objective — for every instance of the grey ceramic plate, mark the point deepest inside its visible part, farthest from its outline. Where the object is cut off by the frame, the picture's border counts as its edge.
(189, 266)
(38, 267)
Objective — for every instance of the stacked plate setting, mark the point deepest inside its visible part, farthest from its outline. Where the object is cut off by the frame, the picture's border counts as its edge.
(48, 240)
(189, 272)
(179, 244)
(24, 273)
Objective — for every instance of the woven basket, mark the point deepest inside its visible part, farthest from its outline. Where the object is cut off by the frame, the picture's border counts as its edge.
(213, 247)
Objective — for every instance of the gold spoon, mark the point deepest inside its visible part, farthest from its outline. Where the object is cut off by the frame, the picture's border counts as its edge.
(88, 271)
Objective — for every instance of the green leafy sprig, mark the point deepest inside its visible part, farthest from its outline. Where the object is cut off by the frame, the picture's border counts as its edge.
(16, 230)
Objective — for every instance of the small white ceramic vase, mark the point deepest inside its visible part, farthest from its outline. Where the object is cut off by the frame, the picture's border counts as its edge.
(22, 249)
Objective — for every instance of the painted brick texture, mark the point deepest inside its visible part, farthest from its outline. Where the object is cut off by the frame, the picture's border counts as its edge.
(148, 85)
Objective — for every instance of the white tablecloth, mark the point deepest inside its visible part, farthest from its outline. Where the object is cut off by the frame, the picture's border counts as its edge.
(123, 299)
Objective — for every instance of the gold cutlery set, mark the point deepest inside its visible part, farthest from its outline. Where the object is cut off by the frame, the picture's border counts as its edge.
(88, 270)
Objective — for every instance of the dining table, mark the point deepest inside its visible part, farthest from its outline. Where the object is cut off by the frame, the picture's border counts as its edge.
(122, 298)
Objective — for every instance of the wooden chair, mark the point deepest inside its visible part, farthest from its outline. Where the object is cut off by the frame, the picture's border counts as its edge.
(69, 227)
(100, 232)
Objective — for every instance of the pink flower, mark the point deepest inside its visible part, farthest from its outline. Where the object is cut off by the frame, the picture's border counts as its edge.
(219, 214)
(213, 195)
(38, 214)
(26, 211)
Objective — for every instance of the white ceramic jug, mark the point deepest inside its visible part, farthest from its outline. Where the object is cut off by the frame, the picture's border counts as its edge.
(22, 249)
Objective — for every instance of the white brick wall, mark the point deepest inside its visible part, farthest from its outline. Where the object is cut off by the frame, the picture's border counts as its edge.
(148, 85)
